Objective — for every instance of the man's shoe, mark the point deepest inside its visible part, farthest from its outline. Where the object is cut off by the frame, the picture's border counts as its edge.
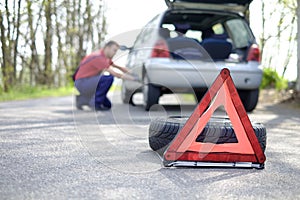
(102, 108)
(78, 105)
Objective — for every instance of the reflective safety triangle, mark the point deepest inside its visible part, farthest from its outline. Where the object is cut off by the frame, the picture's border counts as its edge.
(222, 93)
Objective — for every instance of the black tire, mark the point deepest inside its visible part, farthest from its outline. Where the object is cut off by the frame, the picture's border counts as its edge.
(199, 94)
(151, 94)
(126, 95)
(249, 98)
(217, 130)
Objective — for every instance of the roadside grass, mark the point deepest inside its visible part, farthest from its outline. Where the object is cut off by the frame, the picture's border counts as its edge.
(115, 87)
(188, 97)
(27, 92)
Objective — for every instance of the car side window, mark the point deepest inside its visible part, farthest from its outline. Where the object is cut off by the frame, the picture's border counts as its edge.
(146, 32)
(138, 40)
(239, 33)
(142, 37)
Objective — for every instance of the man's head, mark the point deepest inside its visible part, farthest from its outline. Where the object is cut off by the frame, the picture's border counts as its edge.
(110, 49)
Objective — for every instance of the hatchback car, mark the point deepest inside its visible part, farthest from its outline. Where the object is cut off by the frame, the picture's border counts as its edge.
(183, 49)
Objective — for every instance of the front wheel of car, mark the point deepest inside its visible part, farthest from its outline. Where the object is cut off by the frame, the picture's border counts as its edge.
(151, 94)
(126, 95)
(249, 99)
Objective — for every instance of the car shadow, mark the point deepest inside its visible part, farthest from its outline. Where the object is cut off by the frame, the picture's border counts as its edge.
(169, 107)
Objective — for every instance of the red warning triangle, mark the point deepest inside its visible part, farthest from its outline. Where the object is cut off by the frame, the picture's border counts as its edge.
(184, 146)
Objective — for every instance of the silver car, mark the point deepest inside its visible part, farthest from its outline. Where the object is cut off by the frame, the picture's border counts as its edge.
(183, 49)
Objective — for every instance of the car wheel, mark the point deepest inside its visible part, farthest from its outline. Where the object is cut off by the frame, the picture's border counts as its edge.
(126, 95)
(217, 131)
(249, 99)
(151, 94)
(199, 94)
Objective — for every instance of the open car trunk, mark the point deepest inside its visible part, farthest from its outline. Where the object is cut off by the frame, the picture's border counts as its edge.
(229, 5)
(206, 35)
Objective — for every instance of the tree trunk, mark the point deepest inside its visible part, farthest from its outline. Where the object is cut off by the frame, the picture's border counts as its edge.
(48, 44)
(4, 57)
(32, 42)
(298, 48)
(17, 40)
(7, 49)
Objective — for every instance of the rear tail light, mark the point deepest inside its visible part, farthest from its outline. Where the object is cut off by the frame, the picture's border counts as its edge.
(160, 50)
(254, 53)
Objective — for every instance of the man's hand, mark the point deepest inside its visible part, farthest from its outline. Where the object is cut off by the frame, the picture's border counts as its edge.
(135, 77)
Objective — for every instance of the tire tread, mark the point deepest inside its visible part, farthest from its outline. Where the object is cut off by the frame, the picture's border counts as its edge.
(163, 131)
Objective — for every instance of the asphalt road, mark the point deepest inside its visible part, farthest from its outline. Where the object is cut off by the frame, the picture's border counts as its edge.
(49, 150)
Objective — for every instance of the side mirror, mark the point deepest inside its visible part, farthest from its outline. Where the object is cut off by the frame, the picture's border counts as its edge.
(124, 48)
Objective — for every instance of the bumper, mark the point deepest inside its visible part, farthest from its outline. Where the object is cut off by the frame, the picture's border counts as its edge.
(183, 76)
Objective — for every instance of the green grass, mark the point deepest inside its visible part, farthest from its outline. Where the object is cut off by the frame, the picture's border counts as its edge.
(271, 79)
(115, 87)
(188, 97)
(27, 92)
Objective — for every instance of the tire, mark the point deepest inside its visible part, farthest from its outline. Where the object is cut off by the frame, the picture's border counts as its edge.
(199, 94)
(249, 98)
(151, 94)
(217, 130)
(126, 95)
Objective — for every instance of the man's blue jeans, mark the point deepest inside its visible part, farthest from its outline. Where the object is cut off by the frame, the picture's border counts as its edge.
(93, 91)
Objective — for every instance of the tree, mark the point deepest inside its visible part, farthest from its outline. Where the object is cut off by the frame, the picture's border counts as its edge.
(42, 41)
(278, 32)
(48, 39)
(9, 39)
(33, 60)
(298, 48)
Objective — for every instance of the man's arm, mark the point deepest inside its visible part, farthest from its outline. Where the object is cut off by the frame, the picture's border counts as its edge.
(119, 75)
(123, 69)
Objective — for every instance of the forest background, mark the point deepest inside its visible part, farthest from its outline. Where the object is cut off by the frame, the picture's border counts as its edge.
(42, 41)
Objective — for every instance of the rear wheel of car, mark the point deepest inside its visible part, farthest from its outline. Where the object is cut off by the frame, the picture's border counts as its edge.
(249, 98)
(217, 131)
(151, 94)
(199, 95)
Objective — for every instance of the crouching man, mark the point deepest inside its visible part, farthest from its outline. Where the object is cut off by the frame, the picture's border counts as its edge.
(91, 81)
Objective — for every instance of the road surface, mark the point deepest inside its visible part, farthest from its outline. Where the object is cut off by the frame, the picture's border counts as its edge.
(49, 150)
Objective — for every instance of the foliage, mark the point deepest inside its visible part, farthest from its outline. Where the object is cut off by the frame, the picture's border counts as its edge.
(271, 79)
(278, 35)
(42, 41)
